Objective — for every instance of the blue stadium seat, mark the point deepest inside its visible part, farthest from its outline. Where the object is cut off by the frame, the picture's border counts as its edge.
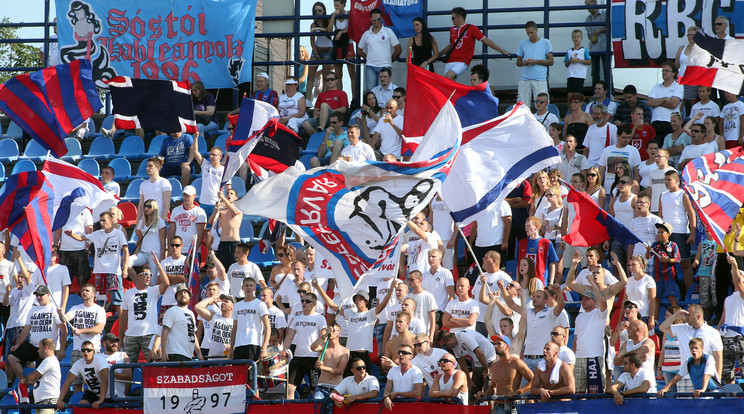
(132, 194)
(101, 149)
(73, 300)
(197, 183)
(14, 132)
(142, 171)
(203, 148)
(107, 123)
(74, 150)
(34, 152)
(23, 165)
(2, 173)
(246, 231)
(176, 192)
(261, 260)
(122, 169)
(155, 144)
(8, 150)
(132, 148)
(238, 185)
(221, 142)
(554, 110)
(314, 143)
(90, 166)
(9, 401)
(305, 160)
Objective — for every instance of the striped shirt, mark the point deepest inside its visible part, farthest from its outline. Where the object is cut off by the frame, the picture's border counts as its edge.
(665, 271)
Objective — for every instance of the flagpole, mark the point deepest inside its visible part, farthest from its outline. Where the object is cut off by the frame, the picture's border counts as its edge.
(470, 249)
(193, 258)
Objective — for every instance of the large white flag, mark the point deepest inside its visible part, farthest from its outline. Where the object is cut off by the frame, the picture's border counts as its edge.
(65, 178)
(354, 213)
(495, 157)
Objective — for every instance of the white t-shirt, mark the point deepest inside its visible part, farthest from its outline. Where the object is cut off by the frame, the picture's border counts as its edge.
(590, 333)
(58, 277)
(206, 339)
(708, 109)
(470, 340)
(349, 386)
(660, 91)
(442, 221)
(611, 156)
(491, 226)
(154, 191)
(493, 279)
(237, 273)
(459, 309)
(710, 336)
(151, 241)
(359, 152)
(563, 320)
(645, 229)
(108, 250)
(21, 303)
(405, 382)
(546, 119)
(182, 336)
(693, 151)
(379, 47)
(49, 384)
(84, 317)
(363, 325)
(566, 355)
(390, 141)
(172, 267)
(418, 252)
(595, 140)
(539, 326)
(437, 284)
(307, 329)
(44, 321)
(731, 114)
(78, 226)
(277, 318)
(7, 271)
(734, 313)
(142, 308)
(425, 302)
(117, 358)
(211, 178)
(637, 290)
(219, 338)
(247, 322)
(429, 365)
(91, 373)
(642, 375)
(287, 290)
(186, 222)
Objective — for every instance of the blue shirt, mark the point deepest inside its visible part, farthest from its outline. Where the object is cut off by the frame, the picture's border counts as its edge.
(537, 51)
(176, 151)
(331, 138)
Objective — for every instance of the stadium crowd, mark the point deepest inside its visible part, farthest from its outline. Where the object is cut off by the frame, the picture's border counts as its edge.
(542, 317)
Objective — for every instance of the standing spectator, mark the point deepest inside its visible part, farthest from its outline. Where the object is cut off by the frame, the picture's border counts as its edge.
(438, 280)
(705, 262)
(602, 96)
(705, 105)
(243, 269)
(73, 254)
(598, 42)
(335, 141)
(331, 101)
(540, 250)
(642, 133)
(140, 306)
(683, 56)
(462, 312)
(94, 370)
(249, 338)
(277, 318)
(262, 92)
(519, 199)
(358, 387)
(230, 220)
(111, 187)
(614, 154)
(486, 284)
(423, 46)
(637, 342)
(571, 161)
(204, 109)
(641, 290)
(174, 266)
(176, 156)
(589, 370)
(599, 136)
(696, 327)
(490, 232)
(380, 47)
(577, 61)
(211, 173)
(302, 332)
(696, 148)
(426, 304)
(357, 150)
(656, 179)
(87, 320)
(155, 188)
(553, 377)
(665, 98)
(151, 239)
(405, 380)
(57, 279)
(730, 326)
(385, 88)
(332, 363)
(18, 300)
(220, 324)
(665, 257)
(533, 56)
(634, 380)
(343, 47)
(462, 44)
(543, 116)
(188, 220)
(321, 44)
(669, 359)
(731, 122)
(675, 208)
(7, 271)
(110, 350)
(624, 108)
(178, 339)
(46, 378)
(576, 122)
(292, 105)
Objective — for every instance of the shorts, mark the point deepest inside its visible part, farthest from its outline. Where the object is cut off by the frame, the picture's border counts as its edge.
(733, 352)
(324, 53)
(681, 240)
(252, 352)
(109, 286)
(48, 401)
(324, 161)
(170, 171)
(298, 367)
(667, 288)
(707, 291)
(132, 345)
(92, 397)
(458, 67)
(27, 353)
(77, 263)
(226, 252)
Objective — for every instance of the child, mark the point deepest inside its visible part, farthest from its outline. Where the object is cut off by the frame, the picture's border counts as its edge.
(705, 261)
(701, 368)
(577, 61)
(676, 209)
(666, 255)
(669, 359)
(704, 106)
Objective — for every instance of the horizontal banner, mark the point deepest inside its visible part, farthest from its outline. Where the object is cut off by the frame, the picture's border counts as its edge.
(206, 40)
(635, 406)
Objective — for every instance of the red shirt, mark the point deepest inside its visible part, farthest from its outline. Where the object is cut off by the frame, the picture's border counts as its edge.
(463, 50)
(641, 137)
(334, 98)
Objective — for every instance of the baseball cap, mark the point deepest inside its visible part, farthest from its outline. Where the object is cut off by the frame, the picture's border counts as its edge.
(110, 337)
(42, 290)
(500, 337)
(189, 190)
(361, 293)
(224, 297)
(631, 302)
(666, 226)
(590, 294)
(263, 75)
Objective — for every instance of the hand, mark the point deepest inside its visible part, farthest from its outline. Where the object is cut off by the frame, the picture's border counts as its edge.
(262, 355)
(576, 259)
(97, 404)
(623, 326)
(67, 232)
(479, 394)
(315, 284)
(389, 117)
(615, 261)
(691, 239)
(699, 115)
(14, 347)
(651, 324)
(618, 398)
(423, 65)
(319, 365)
(662, 392)
(60, 404)
(501, 284)
(450, 244)
(696, 394)
(484, 278)
(388, 402)
(504, 246)
(648, 248)
(544, 394)
(606, 245)
(730, 259)
(164, 357)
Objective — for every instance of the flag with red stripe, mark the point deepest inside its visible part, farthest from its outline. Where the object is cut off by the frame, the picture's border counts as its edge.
(191, 273)
(20, 394)
(26, 209)
(50, 103)
(65, 178)
(716, 63)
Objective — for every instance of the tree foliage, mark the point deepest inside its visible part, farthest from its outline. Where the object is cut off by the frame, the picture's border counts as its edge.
(15, 55)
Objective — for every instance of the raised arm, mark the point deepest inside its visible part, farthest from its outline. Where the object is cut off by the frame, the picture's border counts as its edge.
(327, 299)
(201, 308)
(164, 278)
(381, 304)
(615, 288)
(571, 277)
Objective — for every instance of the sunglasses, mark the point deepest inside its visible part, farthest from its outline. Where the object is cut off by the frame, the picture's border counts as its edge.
(404, 353)
(623, 182)
(376, 19)
(280, 254)
(301, 292)
(397, 97)
(86, 350)
(148, 205)
(146, 274)
(333, 122)
(719, 24)
(360, 368)
(175, 245)
(511, 285)
(444, 361)
(307, 301)
(555, 334)
(540, 101)
(318, 11)
(696, 131)
(330, 79)
(416, 345)
(592, 175)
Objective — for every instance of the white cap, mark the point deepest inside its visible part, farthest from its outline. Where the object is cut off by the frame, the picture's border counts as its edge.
(189, 190)
(263, 75)
(290, 81)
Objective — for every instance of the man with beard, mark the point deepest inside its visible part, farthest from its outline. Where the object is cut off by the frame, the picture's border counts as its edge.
(178, 340)
(220, 324)
(122, 375)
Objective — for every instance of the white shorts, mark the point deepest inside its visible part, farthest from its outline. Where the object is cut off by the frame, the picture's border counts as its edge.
(458, 67)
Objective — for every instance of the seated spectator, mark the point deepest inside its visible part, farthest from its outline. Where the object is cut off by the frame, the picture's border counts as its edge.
(542, 114)
(624, 108)
(204, 108)
(335, 141)
(399, 94)
(292, 106)
(635, 379)
(358, 387)
(176, 156)
(696, 148)
(451, 382)
(553, 377)
(602, 96)
(385, 88)
(262, 92)
(357, 150)
(404, 380)
(369, 116)
(700, 367)
(386, 138)
(710, 129)
(332, 100)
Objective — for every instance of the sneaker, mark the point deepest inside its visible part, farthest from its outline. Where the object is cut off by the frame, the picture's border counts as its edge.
(319, 129)
(107, 132)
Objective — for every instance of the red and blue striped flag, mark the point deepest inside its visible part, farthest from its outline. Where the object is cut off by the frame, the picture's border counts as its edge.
(50, 103)
(191, 273)
(715, 184)
(593, 225)
(26, 209)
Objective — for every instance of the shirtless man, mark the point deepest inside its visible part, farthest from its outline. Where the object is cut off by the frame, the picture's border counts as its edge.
(507, 371)
(404, 337)
(543, 385)
(230, 220)
(331, 362)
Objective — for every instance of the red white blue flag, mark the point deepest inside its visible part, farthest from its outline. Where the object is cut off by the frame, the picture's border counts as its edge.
(191, 273)
(66, 178)
(592, 225)
(150, 103)
(715, 184)
(716, 63)
(20, 394)
(354, 212)
(50, 103)
(26, 209)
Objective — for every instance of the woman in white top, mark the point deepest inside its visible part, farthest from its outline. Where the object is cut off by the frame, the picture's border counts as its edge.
(641, 288)
(683, 55)
(369, 116)
(551, 219)
(594, 186)
(623, 204)
(652, 148)
(321, 45)
(540, 184)
(622, 168)
(151, 238)
(292, 109)
(677, 140)
(711, 130)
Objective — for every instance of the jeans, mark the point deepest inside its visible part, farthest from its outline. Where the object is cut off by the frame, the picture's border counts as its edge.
(371, 77)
